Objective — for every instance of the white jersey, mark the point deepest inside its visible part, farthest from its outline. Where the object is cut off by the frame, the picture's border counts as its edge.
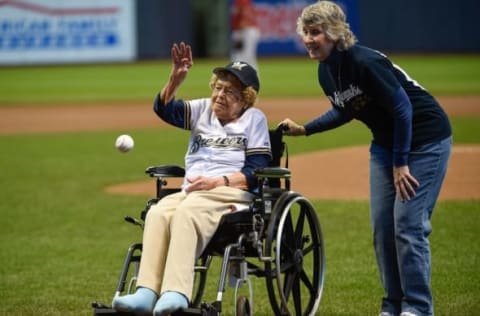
(215, 149)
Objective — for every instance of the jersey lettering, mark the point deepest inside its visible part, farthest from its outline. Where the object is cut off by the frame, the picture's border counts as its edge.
(235, 142)
(339, 98)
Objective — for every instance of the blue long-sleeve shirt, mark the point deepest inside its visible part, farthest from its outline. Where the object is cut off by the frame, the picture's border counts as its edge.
(363, 84)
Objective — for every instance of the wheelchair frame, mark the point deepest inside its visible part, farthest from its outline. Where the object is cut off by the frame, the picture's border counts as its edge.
(280, 229)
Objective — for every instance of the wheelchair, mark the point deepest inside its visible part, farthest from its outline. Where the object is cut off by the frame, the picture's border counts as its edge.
(277, 238)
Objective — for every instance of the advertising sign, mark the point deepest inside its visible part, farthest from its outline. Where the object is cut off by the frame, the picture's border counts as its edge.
(277, 20)
(68, 31)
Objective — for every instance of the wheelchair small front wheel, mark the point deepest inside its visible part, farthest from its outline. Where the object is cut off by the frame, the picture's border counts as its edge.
(243, 307)
(294, 241)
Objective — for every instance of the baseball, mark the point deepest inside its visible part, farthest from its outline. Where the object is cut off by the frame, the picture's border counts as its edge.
(124, 143)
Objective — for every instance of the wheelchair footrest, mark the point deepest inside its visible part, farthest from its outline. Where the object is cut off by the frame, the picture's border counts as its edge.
(188, 312)
(102, 309)
(205, 310)
(109, 311)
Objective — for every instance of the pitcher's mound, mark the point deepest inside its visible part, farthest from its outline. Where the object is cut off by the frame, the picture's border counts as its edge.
(343, 174)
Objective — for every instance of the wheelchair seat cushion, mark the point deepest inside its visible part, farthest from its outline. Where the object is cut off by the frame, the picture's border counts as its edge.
(231, 226)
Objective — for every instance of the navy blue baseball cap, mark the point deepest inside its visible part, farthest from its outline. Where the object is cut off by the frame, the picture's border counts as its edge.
(243, 71)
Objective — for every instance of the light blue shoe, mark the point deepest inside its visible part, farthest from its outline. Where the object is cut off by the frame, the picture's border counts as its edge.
(170, 302)
(140, 303)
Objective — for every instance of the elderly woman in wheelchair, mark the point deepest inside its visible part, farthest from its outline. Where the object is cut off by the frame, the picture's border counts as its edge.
(229, 140)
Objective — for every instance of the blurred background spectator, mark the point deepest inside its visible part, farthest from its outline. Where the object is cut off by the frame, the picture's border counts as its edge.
(245, 32)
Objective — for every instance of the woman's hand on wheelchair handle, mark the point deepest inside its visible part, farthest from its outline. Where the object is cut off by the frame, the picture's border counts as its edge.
(291, 128)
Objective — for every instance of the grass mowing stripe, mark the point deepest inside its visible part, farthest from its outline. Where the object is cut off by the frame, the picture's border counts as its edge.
(280, 77)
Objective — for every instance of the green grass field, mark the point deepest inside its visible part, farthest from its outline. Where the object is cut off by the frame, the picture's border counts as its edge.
(63, 239)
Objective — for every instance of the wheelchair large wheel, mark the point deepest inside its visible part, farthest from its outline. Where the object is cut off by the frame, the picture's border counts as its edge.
(294, 241)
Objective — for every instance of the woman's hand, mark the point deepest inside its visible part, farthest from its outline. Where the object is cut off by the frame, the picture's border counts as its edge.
(182, 61)
(405, 183)
(291, 128)
(201, 183)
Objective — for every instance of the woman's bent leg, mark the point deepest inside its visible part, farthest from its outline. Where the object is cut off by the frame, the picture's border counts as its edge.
(428, 165)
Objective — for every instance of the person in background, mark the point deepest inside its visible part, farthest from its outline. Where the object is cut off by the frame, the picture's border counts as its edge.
(409, 152)
(229, 140)
(245, 32)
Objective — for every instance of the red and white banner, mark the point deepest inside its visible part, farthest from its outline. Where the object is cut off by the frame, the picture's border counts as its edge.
(66, 31)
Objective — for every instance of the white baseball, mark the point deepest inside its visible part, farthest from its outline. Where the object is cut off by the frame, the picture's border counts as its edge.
(124, 143)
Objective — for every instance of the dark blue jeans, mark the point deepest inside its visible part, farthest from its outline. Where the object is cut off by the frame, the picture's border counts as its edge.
(401, 229)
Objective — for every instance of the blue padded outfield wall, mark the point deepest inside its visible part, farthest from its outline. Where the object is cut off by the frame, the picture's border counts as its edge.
(85, 31)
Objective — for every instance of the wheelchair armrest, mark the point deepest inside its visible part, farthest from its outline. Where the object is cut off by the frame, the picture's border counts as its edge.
(273, 172)
(166, 171)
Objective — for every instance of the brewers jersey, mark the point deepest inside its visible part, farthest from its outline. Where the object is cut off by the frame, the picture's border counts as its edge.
(215, 149)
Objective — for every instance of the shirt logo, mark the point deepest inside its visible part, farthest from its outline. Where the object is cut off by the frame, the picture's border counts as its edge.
(340, 98)
(227, 143)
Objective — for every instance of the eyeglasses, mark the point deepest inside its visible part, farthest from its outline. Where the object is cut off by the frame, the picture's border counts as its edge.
(229, 92)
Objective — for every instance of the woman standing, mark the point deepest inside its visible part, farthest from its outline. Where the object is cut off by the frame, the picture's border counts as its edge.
(409, 152)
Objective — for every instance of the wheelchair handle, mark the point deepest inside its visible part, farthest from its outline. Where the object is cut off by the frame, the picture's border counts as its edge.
(281, 128)
(133, 221)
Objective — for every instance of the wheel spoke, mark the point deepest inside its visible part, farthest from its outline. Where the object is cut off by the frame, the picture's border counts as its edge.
(288, 240)
(308, 249)
(289, 282)
(299, 229)
(306, 281)
(286, 266)
(314, 245)
(287, 245)
(297, 295)
(287, 286)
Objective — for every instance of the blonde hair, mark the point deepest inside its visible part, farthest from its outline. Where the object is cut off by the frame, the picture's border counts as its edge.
(249, 95)
(331, 18)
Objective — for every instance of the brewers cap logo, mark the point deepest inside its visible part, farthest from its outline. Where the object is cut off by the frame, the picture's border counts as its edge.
(238, 65)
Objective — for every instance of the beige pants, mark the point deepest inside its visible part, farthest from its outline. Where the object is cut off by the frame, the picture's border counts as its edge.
(177, 229)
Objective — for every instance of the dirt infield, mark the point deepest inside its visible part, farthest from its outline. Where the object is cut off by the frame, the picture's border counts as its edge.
(335, 176)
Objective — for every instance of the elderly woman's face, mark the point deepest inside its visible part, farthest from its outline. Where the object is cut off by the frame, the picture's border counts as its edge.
(318, 44)
(227, 101)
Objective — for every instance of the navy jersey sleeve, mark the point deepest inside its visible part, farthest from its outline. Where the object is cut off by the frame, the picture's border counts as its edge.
(329, 120)
(402, 132)
(258, 153)
(384, 85)
(253, 162)
(175, 112)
